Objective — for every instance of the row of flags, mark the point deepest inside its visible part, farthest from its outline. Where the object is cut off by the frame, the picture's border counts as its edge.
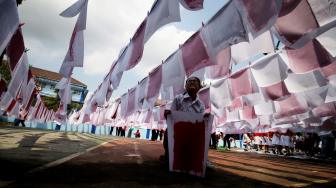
(74, 56)
(291, 84)
(288, 85)
(22, 85)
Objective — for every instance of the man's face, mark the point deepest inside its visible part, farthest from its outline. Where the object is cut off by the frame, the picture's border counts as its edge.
(193, 85)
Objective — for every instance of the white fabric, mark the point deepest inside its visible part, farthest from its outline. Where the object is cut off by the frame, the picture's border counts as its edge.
(15, 110)
(112, 109)
(173, 76)
(313, 34)
(9, 20)
(331, 95)
(245, 50)
(265, 120)
(232, 116)
(304, 116)
(78, 49)
(156, 113)
(6, 100)
(269, 70)
(123, 105)
(162, 13)
(74, 9)
(62, 83)
(315, 97)
(20, 72)
(252, 123)
(218, 112)
(328, 41)
(253, 99)
(75, 54)
(100, 96)
(324, 10)
(332, 80)
(140, 96)
(101, 116)
(266, 108)
(28, 92)
(224, 29)
(66, 69)
(120, 65)
(143, 115)
(303, 82)
(220, 95)
(65, 94)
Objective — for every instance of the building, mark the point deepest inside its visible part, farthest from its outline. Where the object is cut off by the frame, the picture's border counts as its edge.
(48, 80)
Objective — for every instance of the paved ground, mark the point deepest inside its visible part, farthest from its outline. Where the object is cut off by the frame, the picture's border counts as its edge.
(121, 162)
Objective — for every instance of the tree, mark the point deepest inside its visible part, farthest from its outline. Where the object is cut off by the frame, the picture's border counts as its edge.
(5, 71)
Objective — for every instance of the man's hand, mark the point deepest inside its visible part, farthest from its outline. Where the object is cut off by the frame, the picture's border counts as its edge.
(166, 113)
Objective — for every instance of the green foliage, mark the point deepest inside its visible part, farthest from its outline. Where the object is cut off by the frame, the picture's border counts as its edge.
(5, 71)
(53, 103)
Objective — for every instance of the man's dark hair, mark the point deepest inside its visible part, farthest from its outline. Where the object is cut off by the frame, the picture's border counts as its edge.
(199, 81)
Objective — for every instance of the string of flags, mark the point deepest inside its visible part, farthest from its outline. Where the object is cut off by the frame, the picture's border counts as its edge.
(271, 65)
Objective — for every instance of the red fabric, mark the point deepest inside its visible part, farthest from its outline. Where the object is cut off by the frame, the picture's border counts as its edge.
(37, 110)
(148, 117)
(290, 106)
(241, 83)
(310, 57)
(204, 96)
(276, 91)
(324, 110)
(138, 45)
(259, 134)
(113, 116)
(154, 82)
(194, 54)
(248, 113)
(11, 106)
(329, 70)
(222, 67)
(255, 7)
(237, 103)
(189, 143)
(31, 100)
(162, 109)
(295, 19)
(194, 4)
(15, 48)
(72, 40)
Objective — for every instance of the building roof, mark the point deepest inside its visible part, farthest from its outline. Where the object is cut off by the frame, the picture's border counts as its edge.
(42, 73)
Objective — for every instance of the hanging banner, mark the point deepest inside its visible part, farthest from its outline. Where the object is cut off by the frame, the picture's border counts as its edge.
(188, 142)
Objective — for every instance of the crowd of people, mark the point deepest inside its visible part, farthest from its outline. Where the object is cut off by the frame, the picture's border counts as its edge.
(320, 145)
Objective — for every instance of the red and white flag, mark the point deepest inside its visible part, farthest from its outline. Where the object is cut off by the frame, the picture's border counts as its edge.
(188, 142)
(9, 20)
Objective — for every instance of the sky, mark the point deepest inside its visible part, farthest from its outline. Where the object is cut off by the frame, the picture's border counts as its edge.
(110, 25)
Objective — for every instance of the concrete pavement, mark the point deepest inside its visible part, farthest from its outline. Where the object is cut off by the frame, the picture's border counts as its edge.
(124, 162)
